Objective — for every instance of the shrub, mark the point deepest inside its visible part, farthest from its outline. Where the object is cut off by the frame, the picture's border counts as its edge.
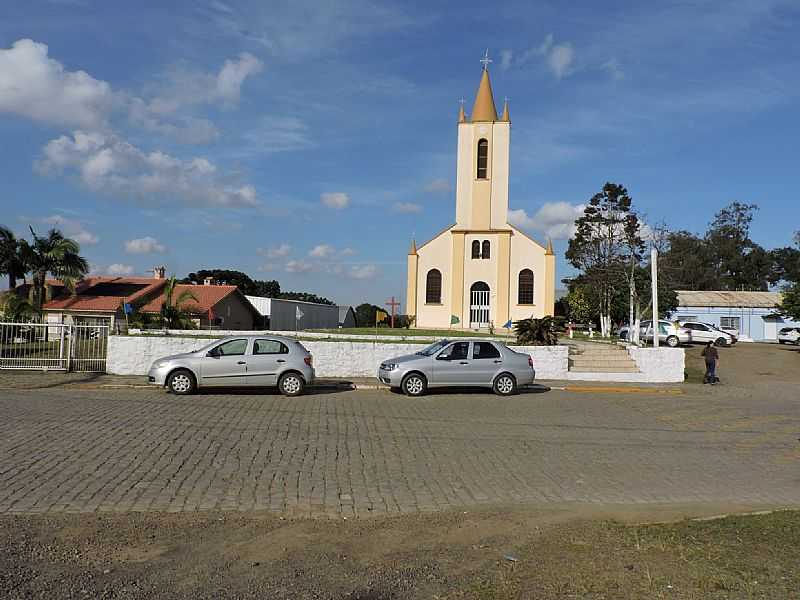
(536, 332)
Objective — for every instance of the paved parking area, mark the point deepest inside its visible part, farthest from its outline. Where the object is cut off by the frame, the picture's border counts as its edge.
(359, 452)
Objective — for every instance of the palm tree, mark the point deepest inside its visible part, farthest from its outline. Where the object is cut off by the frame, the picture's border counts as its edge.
(56, 255)
(172, 314)
(11, 262)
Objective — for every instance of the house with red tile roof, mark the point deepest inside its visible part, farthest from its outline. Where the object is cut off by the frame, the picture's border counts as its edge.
(102, 301)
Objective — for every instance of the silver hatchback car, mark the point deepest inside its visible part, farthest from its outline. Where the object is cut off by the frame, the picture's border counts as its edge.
(462, 362)
(238, 361)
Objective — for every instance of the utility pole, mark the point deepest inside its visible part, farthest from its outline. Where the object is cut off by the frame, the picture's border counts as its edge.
(654, 280)
(393, 304)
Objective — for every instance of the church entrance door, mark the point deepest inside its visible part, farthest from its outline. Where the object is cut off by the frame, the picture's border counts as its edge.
(479, 305)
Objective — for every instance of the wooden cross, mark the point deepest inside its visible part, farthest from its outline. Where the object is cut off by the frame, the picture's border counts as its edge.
(393, 303)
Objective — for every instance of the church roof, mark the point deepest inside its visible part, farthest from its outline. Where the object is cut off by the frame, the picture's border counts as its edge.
(484, 108)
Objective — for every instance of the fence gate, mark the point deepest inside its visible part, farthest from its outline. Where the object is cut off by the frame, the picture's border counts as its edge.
(53, 346)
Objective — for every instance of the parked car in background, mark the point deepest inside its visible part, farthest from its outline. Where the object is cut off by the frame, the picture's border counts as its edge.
(459, 363)
(238, 361)
(789, 335)
(706, 332)
(624, 332)
(669, 333)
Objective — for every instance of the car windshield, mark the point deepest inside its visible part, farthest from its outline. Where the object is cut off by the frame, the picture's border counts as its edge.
(433, 348)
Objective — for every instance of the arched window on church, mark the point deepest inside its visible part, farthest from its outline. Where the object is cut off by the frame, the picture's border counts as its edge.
(525, 287)
(486, 252)
(483, 158)
(433, 287)
(476, 249)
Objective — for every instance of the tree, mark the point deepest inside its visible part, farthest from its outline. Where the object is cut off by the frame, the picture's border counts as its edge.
(226, 276)
(790, 305)
(267, 289)
(11, 262)
(739, 262)
(607, 247)
(579, 310)
(173, 315)
(56, 255)
(15, 308)
(786, 262)
(365, 314)
(306, 297)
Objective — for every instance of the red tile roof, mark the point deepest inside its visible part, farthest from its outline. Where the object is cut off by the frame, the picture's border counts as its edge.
(207, 296)
(86, 301)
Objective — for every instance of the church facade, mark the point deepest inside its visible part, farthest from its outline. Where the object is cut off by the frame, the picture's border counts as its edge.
(481, 272)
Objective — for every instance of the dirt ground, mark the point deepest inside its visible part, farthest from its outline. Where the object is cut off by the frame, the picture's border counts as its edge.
(501, 554)
(748, 365)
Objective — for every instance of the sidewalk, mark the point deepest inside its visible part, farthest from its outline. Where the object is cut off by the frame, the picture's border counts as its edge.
(35, 380)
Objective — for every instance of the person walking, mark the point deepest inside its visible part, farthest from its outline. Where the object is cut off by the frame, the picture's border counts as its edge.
(711, 354)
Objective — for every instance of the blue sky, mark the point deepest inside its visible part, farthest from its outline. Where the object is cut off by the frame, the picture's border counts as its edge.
(308, 141)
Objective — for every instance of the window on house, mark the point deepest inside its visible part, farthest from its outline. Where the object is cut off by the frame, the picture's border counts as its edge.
(525, 287)
(486, 251)
(483, 158)
(730, 323)
(476, 249)
(433, 287)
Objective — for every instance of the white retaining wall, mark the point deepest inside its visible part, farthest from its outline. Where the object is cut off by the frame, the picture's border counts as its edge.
(133, 355)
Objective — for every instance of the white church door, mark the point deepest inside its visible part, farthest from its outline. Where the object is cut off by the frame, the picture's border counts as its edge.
(479, 305)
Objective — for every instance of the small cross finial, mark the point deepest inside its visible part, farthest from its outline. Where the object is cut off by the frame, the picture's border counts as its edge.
(461, 102)
(486, 60)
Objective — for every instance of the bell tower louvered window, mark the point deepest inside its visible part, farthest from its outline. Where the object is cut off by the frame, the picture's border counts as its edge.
(483, 158)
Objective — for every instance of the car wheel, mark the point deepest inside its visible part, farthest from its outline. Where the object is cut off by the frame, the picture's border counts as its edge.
(181, 382)
(721, 342)
(505, 385)
(414, 384)
(673, 341)
(623, 336)
(782, 341)
(291, 384)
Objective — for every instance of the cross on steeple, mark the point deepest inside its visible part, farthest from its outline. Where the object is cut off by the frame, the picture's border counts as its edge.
(486, 60)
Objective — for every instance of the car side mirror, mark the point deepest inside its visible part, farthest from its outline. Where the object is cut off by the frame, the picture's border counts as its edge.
(444, 357)
(213, 353)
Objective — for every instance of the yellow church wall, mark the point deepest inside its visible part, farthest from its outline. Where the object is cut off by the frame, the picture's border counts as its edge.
(527, 254)
(480, 269)
(436, 254)
(464, 175)
(500, 170)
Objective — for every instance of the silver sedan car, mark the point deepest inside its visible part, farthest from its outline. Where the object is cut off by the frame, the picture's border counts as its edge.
(462, 362)
(238, 361)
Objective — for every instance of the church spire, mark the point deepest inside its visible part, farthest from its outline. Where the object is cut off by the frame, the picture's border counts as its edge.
(413, 247)
(462, 118)
(549, 251)
(506, 117)
(484, 108)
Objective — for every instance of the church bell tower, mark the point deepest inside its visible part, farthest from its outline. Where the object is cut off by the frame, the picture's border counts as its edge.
(482, 164)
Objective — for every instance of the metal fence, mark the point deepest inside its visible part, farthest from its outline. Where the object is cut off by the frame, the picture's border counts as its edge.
(46, 346)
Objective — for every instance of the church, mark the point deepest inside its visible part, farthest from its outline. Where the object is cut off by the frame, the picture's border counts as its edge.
(481, 272)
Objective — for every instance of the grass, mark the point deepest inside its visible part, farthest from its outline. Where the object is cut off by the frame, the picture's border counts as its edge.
(751, 557)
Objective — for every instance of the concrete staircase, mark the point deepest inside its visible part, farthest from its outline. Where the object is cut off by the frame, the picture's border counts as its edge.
(586, 357)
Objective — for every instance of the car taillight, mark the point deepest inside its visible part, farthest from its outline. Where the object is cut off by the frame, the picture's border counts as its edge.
(530, 361)
(309, 360)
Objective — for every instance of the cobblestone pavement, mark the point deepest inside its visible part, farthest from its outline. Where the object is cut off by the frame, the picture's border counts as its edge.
(359, 452)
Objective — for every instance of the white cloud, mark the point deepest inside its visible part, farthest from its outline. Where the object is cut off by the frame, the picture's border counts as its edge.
(614, 69)
(275, 134)
(108, 164)
(298, 266)
(335, 200)
(406, 207)
(438, 185)
(560, 58)
(145, 245)
(119, 269)
(71, 228)
(554, 219)
(37, 87)
(347, 252)
(280, 251)
(322, 251)
(363, 272)
(232, 76)
(505, 59)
